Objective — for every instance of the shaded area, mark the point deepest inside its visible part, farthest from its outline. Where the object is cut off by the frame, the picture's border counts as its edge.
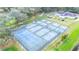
(76, 48)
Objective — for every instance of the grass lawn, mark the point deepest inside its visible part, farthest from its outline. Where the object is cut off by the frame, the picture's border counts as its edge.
(11, 48)
(71, 40)
(10, 23)
(41, 17)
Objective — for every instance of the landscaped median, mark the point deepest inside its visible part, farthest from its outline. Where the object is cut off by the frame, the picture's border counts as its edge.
(12, 45)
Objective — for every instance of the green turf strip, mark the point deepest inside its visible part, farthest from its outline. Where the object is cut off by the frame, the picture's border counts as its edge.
(71, 40)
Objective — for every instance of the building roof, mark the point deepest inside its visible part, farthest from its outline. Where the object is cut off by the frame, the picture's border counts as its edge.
(67, 14)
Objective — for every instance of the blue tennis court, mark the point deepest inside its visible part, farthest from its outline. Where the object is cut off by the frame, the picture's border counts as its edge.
(35, 36)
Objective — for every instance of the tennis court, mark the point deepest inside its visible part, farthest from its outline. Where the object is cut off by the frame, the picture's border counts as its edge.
(37, 35)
